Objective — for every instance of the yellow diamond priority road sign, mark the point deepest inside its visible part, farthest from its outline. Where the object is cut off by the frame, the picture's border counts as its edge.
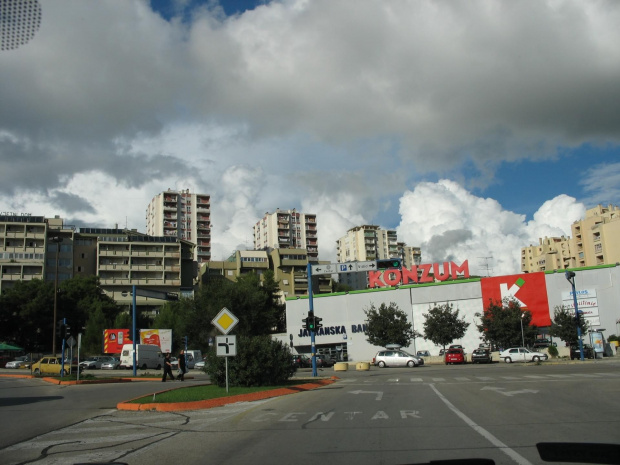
(225, 321)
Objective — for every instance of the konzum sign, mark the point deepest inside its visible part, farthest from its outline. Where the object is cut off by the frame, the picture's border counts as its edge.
(440, 272)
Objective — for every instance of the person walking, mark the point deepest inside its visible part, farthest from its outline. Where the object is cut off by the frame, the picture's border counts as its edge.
(167, 368)
(182, 369)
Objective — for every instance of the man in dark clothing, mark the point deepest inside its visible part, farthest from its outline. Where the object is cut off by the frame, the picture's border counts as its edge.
(182, 369)
(167, 368)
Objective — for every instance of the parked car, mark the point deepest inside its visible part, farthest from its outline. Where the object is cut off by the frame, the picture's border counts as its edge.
(423, 353)
(199, 365)
(481, 356)
(588, 351)
(324, 361)
(521, 354)
(91, 363)
(174, 362)
(301, 361)
(51, 365)
(543, 343)
(441, 352)
(396, 358)
(111, 363)
(18, 362)
(455, 355)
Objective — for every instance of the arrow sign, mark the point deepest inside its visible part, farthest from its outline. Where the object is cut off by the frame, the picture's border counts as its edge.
(508, 393)
(379, 394)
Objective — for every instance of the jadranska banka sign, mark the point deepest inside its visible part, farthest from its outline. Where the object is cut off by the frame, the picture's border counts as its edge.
(393, 277)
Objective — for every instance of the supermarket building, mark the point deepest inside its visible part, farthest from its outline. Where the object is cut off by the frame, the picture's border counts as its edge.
(344, 318)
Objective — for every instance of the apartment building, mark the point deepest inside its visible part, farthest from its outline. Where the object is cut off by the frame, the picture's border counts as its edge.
(597, 237)
(288, 229)
(595, 241)
(183, 215)
(127, 258)
(367, 242)
(551, 253)
(34, 247)
(290, 267)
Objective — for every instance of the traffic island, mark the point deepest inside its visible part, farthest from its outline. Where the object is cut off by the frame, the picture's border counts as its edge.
(221, 401)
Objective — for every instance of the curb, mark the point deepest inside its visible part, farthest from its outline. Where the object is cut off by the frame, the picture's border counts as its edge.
(220, 401)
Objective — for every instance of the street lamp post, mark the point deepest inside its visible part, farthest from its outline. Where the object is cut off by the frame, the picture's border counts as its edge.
(57, 240)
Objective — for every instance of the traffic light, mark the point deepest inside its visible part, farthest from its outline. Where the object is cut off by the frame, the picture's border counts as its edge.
(67, 331)
(185, 341)
(317, 323)
(311, 323)
(389, 263)
(61, 329)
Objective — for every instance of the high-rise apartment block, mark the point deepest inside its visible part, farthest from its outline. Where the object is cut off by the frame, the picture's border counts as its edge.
(595, 241)
(367, 242)
(288, 229)
(182, 215)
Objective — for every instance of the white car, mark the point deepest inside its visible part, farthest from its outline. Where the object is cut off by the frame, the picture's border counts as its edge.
(18, 362)
(521, 354)
(199, 365)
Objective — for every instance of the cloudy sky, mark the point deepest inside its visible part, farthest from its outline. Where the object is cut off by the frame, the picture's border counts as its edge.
(472, 128)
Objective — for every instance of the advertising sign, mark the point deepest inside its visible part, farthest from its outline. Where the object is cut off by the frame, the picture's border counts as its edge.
(529, 290)
(113, 340)
(597, 341)
(158, 337)
(587, 304)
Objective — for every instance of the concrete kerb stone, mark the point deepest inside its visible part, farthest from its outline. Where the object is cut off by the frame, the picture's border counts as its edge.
(221, 401)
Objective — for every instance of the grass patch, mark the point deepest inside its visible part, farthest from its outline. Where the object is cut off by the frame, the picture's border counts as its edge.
(196, 393)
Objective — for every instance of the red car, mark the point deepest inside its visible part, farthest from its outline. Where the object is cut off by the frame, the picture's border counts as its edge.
(454, 356)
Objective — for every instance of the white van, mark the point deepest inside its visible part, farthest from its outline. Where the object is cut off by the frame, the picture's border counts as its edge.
(193, 357)
(147, 356)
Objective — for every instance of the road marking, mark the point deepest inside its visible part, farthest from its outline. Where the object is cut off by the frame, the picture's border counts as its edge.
(514, 455)
(560, 376)
(510, 377)
(416, 380)
(508, 393)
(485, 378)
(535, 376)
(439, 379)
(462, 379)
(393, 380)
(379, 394)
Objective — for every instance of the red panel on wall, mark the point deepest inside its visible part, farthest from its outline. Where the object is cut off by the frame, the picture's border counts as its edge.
(529, 289)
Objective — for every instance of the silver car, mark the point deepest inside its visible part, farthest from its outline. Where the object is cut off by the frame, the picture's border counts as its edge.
(396, 358)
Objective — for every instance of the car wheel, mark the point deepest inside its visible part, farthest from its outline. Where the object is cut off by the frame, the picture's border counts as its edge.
(508, 360)
(381, 364)
(37, 371)
(411, 364)
(535, 359)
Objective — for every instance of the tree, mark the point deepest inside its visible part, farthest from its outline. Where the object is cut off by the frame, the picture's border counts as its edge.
(260, 361)
(388, 325)
(501, 324)
(92, 342)
(564, 325)
(442, 325)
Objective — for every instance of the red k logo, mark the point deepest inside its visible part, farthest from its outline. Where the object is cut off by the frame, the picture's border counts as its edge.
(529, 290)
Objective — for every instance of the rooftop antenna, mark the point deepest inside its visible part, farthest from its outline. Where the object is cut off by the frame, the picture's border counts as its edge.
(488, 268)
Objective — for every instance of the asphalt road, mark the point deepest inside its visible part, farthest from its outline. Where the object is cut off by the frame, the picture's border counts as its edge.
(386, 416)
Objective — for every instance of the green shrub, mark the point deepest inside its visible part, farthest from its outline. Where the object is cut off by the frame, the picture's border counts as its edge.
(553, 351)
(260, 361)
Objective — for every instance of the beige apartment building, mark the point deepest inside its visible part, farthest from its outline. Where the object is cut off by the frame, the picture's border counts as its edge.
(183, 215)
(290, 267)
(288, 229)
(595, 241)
(597, 237)
(551, 253)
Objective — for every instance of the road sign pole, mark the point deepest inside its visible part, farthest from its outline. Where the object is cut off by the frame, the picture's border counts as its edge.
(312, 340)
(133, 337)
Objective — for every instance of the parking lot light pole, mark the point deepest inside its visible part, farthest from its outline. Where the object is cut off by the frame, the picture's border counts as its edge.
(570, 276)
(522, 335)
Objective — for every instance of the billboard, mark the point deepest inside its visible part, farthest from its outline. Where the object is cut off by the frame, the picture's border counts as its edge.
(529, 290)
(158, 337)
